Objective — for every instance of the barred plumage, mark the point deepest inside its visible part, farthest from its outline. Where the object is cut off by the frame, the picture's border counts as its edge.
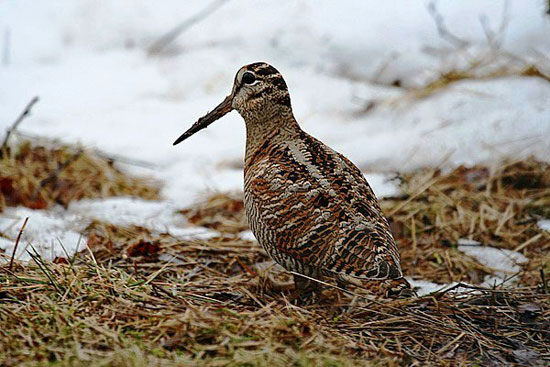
(308, 206)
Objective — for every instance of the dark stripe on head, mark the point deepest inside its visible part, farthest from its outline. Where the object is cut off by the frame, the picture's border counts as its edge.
(279, 83)
(262, 68)
(267, 90)
(275, 88)
(266, 71)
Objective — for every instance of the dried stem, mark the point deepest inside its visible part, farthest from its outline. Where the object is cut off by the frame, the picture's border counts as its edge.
(55, 174)
(17, 242)
(40, 140)
(159, 45)
(442, 28)
(26, 112)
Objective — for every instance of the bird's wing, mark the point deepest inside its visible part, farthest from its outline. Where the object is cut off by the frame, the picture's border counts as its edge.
(315, 206)
(365, 246)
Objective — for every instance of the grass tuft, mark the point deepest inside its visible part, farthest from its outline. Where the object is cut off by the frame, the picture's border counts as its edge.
(38, 177)
(497, 206)
(222, 212)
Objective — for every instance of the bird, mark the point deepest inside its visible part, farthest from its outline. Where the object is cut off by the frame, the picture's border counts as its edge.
(309, 207)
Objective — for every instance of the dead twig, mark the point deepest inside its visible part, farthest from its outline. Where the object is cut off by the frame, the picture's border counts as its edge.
(17, 242)
(543, 279)
(55, 174)
(26, 112)
(40, 140)
(495, 39)
(442, 28)
(159, 45)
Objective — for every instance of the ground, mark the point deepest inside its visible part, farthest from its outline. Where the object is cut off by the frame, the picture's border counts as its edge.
(139, 297)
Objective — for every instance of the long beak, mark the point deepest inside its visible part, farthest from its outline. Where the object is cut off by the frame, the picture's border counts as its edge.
(221, 110)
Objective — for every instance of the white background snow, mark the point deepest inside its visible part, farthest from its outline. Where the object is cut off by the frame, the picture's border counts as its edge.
(87, 61)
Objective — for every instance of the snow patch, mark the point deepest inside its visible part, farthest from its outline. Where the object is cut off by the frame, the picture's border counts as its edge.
(544, 224)
(383, 185)
(468, 242)
(247, 236)
(125, 211)
(503, 262)
(47, 232)
(48, 229)
(424, 287)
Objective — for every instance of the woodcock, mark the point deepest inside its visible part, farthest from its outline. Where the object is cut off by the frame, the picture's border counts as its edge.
(309, 207)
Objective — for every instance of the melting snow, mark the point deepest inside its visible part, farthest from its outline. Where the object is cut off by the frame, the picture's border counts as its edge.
(424, 287)
(48, 229)
(247, 235)
(544, 224)
(467, 242)
(503, 262)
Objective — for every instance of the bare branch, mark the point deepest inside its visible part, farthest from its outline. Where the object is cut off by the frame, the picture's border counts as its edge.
(107, 156)
(443, 30)
(496, 38)
(26, 112)
(159, 45)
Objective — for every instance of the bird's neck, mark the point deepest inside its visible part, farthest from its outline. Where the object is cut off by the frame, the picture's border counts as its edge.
(269, 128)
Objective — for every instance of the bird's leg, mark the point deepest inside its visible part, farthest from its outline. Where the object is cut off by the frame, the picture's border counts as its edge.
(390, 288)
(308, 290)
(342, 284)
(398, 288)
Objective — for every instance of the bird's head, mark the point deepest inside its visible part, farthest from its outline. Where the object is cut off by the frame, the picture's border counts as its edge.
(259, 91)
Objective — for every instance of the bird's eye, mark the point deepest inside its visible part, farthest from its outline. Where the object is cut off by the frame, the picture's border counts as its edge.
(248, 78)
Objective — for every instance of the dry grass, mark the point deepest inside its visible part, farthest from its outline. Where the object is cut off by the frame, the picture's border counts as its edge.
(38, 177)
(126, 308)
(222, 212)
(477, 70)
(145, 299)
(499, 207)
